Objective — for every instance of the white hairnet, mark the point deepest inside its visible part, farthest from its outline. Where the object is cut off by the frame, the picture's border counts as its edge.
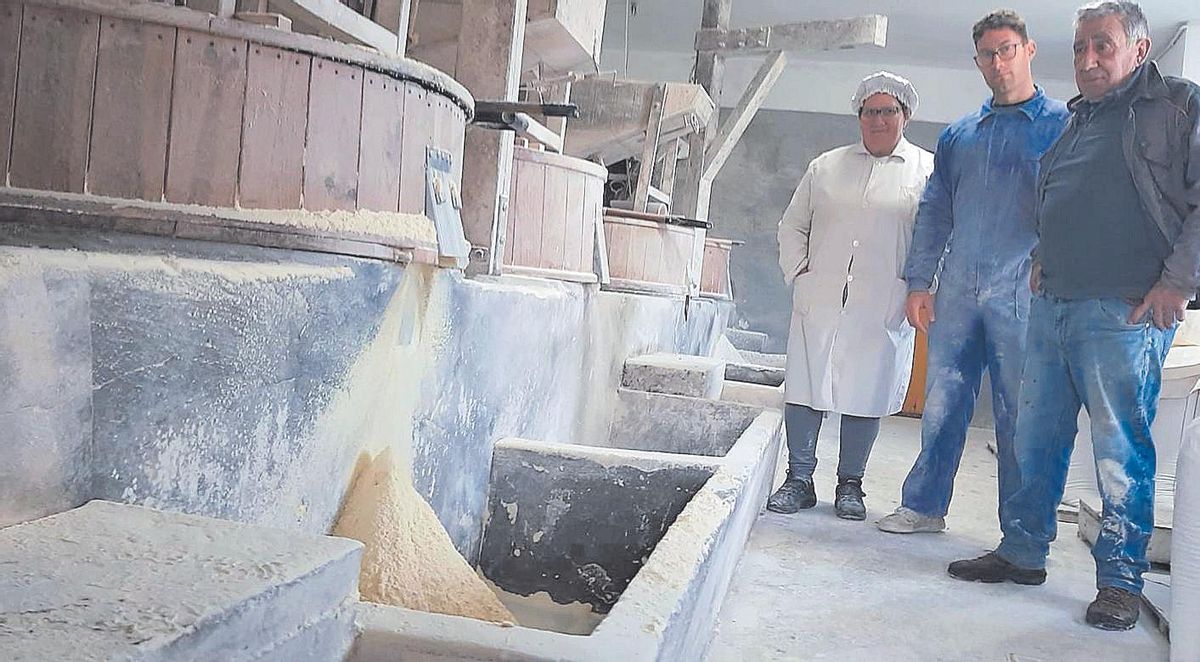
(888, 83)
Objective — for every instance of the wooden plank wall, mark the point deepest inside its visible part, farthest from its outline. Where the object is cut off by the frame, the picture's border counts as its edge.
(134, 109)
(527, 209)
(271, 173)
(418, 133)
(379, 169)
(10, 37)
(334, 133)
(714, 271)
(552, 213)
(593, 221)
(206, 119)
(52, 120)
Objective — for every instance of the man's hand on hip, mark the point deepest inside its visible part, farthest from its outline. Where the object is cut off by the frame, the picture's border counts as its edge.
(1166, 306)
(919, 310)
(1035, 278)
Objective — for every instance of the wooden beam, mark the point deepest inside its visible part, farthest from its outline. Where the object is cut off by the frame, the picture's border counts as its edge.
(534, 130)
(489, 65)
(411, 28)
(735, 125)
(222, 8)
(277, 21)
(666, 180)
(689, 199)
(795, 37)
(394, 15)
(650, 148)
(330, 18)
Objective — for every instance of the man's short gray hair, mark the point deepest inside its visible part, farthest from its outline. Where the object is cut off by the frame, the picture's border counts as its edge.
(1128, 12)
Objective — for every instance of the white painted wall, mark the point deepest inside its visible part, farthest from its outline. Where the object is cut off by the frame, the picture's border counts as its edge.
(1182, 57)
(826, 87)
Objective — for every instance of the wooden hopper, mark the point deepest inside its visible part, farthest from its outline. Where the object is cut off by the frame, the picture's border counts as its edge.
(560, 35)
(614, 114)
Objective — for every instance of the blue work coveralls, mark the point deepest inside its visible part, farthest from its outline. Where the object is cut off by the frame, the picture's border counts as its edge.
(975, 230)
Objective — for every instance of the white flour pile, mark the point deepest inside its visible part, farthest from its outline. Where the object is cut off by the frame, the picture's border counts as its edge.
(409, 559)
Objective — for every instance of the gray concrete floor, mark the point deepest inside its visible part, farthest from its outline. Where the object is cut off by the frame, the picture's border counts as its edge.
(812, 587)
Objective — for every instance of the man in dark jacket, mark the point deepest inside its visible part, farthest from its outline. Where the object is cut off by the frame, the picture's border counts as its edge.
(1118, 258)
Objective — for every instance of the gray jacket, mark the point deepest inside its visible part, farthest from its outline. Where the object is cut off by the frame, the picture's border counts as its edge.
(1162, 150)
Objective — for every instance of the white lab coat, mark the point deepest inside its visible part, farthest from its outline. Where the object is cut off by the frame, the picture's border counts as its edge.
(845, 236)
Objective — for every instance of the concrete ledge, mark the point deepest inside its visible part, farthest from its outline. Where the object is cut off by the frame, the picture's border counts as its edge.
(756, 395)
(754, 374)
(330, 638)
(752, 341)
(124, 582)
(763, 359)
(675, 374)
(677, 424)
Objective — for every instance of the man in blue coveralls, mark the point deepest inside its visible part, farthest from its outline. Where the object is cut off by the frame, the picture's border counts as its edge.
(976, 220)
(1118, 258)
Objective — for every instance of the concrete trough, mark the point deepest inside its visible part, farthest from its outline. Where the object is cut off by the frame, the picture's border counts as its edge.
(648, 538)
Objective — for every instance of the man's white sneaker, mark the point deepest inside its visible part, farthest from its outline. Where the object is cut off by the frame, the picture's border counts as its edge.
(907, 520)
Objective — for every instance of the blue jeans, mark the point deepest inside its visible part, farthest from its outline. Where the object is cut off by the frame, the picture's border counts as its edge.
(1083, 352)
(972, 332)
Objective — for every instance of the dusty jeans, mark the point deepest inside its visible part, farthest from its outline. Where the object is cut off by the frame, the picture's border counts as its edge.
(973, 332)
(1083, 352)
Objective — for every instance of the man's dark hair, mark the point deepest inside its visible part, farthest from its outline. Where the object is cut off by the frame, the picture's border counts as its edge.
(1001, 19)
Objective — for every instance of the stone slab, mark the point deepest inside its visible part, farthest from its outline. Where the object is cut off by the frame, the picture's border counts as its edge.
(754, 374)
(677, 424)
(328, 639)
(746, 340)
(755, 395)
(764, 359)
(110, 581)
(675, 374)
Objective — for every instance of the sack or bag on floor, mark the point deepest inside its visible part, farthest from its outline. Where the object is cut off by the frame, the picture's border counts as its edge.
(1185, 553)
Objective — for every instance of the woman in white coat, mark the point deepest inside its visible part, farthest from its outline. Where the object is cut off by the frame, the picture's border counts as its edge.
(842, 244)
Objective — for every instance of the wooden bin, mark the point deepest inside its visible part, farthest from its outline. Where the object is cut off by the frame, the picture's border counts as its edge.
(714, 275)
(651, 256)
(554, 204)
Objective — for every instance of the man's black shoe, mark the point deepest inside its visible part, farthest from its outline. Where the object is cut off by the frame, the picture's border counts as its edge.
(795, 494)
(848, 499)
(992, 569)
(1114, 609)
